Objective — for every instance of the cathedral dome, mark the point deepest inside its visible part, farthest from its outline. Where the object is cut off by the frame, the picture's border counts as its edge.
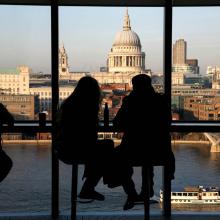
(127, 38)
(126, 55)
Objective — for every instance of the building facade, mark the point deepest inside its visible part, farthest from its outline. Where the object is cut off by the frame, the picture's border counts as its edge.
(22, 107)
(45, 96)
(14, 81)
(179, 52)
(202, 108)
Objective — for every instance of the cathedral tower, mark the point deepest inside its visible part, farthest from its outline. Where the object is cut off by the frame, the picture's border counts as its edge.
(63, 62)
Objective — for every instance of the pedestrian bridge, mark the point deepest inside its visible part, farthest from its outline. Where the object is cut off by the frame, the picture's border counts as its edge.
(214, 139)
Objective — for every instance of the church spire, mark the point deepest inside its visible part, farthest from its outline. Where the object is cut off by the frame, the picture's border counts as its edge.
(126, 26)
(62, 48)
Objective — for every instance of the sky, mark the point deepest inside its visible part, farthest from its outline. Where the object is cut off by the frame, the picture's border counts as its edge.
(88, 34)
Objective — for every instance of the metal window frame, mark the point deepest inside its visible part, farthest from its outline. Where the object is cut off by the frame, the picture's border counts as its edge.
(54, 5)
(147, 3)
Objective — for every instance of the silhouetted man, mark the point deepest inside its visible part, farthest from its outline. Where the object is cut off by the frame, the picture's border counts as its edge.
(144, 118)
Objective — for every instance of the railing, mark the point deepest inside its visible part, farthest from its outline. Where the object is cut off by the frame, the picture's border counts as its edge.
(180, 126)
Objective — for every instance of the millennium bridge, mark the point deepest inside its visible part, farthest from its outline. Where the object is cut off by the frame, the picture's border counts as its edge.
(214, 139)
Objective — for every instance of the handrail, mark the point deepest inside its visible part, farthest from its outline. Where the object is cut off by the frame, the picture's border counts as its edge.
(180, 126)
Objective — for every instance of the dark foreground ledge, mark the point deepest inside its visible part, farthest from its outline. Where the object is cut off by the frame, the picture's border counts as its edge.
(127, 215)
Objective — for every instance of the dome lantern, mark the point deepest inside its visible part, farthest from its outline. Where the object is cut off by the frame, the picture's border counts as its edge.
(126, 26)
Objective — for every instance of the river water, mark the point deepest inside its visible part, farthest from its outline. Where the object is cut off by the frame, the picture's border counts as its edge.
(28, 186)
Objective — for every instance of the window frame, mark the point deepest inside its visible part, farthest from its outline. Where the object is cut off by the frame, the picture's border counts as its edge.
(168, 5)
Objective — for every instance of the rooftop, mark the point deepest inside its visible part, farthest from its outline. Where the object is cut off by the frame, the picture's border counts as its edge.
(9, 71)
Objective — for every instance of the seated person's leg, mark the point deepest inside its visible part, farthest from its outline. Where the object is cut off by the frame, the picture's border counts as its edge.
(129, 188)
(92, 174)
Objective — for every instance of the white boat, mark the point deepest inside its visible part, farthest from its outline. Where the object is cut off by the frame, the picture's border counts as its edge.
(110, 135)
(198, 195)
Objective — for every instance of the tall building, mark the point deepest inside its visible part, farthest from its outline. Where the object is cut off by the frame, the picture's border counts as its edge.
(126, 54)
(179, 52)
(183, 70)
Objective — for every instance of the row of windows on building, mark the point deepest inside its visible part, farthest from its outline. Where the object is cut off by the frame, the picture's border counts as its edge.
(46, 94)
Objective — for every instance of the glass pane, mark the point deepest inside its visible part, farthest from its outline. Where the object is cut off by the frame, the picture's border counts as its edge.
(27, 188)
(112, 45)
(25, 72)
(197, 172)
(195, 76)
(24, 77)
(91, 45)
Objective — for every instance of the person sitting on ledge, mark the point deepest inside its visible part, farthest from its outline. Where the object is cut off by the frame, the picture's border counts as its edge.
(144, 119)
(78, 126)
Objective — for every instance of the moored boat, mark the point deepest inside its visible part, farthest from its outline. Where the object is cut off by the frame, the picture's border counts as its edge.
(195, 195)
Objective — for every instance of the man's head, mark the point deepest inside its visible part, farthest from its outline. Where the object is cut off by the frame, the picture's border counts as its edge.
(142, 82)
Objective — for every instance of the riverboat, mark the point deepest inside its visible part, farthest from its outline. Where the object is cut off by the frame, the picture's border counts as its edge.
(110, 135)
(195, 195)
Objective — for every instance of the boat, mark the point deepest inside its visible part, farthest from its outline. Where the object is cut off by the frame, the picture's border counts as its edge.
(110, 135)
(195, 195)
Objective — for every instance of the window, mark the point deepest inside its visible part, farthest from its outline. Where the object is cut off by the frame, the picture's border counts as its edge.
(177, 103)
(25, 43)
(95, 45)
(195, 63)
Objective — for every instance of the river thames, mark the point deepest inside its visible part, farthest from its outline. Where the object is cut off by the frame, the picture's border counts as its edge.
(28, 186)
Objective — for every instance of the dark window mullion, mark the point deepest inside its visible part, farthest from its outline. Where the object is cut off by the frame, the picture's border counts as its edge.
(167, 90)
(55, 101)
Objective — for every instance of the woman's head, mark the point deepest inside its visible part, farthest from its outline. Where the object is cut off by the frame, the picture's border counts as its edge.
(88, 87)
(86, 91)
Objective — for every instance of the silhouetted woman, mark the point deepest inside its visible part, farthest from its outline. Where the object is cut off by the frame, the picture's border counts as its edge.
(79, 123)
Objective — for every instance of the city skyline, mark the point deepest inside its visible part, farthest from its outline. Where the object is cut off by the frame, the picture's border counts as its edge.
(88, 33)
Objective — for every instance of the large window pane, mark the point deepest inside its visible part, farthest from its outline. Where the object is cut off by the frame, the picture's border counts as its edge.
(195, 76)
(195, 96)
(25, 72)
(94, 42)
(112, 45)
(25, 78)
(197, 164)
(27, 188)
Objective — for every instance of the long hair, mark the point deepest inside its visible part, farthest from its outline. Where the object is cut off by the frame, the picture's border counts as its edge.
(87, 92)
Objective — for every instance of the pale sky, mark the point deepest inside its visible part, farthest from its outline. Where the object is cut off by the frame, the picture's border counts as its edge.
(88, 34)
